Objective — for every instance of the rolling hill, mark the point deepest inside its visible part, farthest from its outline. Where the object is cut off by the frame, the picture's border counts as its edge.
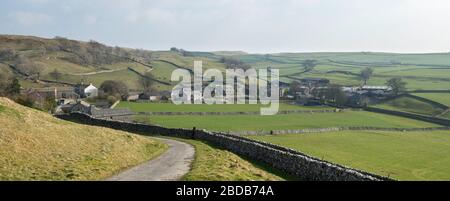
(36, 146)
(94, 62)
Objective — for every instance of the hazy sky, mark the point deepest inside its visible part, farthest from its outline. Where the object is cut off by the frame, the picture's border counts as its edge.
(262, 26)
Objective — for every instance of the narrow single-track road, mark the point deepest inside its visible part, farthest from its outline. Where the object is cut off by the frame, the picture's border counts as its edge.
(170, 166)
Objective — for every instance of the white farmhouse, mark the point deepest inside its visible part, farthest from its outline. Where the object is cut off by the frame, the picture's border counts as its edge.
(91, 91)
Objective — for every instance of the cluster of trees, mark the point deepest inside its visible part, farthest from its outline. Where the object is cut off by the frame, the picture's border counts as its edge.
(10, 87)
(147, 81)
(22, 63)
(332, 94)
(183, 52)
(366, 74)
(7, 54)
(143, 55)
(231, 63)
(91, 53)
(113, 91)
(309, 65)
(31, 68)
(397, 84)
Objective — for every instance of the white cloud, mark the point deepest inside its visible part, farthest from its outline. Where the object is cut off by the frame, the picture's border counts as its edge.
(30, 18)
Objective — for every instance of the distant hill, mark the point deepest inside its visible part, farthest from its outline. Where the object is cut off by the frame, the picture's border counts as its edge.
(32, 58)
(70, 152)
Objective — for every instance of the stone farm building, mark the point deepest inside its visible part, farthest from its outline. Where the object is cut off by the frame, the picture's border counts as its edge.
(317, 82)
(111, 114)
(55, 92)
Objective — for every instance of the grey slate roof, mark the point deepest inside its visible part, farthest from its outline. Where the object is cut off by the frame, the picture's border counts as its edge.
(110, 112)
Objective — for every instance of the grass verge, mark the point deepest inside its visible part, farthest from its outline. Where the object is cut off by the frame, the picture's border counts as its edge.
(213, 163)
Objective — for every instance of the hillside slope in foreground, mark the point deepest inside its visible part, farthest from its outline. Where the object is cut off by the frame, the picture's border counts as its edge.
(36, 146)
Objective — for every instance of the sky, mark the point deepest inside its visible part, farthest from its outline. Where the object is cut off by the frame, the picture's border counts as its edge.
(255, 26)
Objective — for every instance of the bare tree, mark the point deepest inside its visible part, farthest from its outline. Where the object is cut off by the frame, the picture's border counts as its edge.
(28, 67)
(397, 85)
(309, 64)
(147, 81)
(55, 74)
(366, 74)
(114, 88)
(7, 54)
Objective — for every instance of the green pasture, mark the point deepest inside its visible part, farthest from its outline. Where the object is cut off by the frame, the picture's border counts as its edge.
(406, 104)
(399, 155)
(170, 107)
(283, 122)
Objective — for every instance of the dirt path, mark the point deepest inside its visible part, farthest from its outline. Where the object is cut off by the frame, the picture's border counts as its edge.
(170, 166)
(97, 72)
(443, 113)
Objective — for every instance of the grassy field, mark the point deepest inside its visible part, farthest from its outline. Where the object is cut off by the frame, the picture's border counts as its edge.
(170, 107)
(411, 105)
(215, 164)
(443, 98)
(28, 151)
(284, 122)
(403, 156)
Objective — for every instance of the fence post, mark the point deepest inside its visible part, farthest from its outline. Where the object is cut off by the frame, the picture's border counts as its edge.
(193, 133)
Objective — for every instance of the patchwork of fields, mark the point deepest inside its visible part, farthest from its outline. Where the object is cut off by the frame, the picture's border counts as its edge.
(418, 155)
(400, 155)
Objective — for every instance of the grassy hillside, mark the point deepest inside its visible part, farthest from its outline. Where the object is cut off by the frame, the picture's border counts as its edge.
(443, 98)
(36, 146)
(411, 105)
(404, 156)
(420, 71)
(90, 61)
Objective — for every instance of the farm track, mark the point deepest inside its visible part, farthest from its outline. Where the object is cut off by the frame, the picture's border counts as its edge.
(443, 113)
(170, 166)
(97, 72)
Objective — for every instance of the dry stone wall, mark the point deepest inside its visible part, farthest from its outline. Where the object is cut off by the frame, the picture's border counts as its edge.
(292, 162)
(323, 130)
(237, 113)
(435, 120)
